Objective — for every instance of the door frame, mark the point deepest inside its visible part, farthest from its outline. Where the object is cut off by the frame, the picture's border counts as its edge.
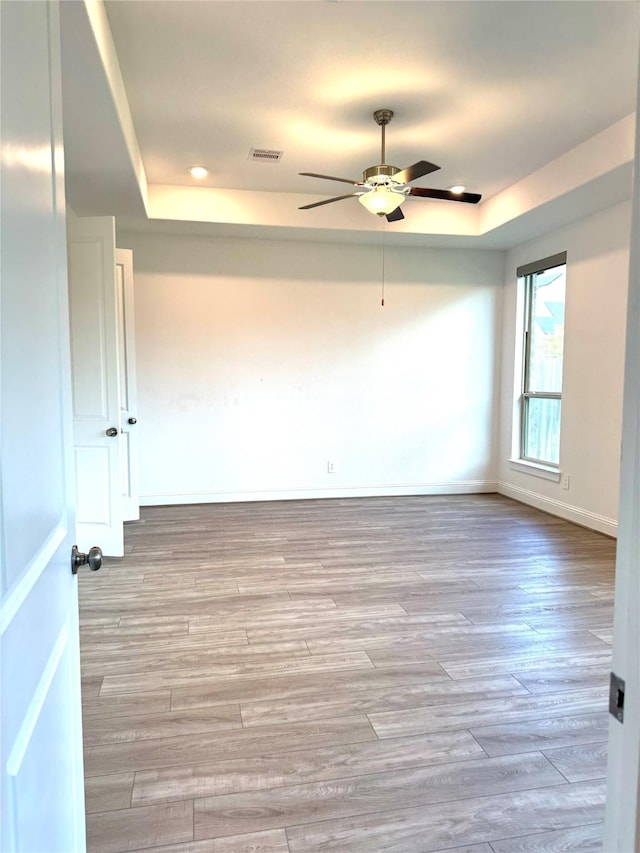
(622, 823)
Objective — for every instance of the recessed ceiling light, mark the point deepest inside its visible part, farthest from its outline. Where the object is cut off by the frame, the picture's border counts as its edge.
(458, 188)
(198, 172)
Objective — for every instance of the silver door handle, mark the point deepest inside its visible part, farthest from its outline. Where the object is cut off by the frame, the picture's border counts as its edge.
(93, 559)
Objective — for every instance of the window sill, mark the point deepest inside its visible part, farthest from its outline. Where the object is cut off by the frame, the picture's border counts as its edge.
(536, 469)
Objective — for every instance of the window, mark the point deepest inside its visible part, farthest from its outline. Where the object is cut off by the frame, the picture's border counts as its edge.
(544, 285)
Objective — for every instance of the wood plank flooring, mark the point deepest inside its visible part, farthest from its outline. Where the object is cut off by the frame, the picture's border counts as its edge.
(348, 676)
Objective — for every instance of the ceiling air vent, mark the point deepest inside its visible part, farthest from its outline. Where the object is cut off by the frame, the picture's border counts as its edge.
(265, 155)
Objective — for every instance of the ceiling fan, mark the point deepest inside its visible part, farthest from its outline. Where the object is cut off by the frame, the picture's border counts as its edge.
(383, 188)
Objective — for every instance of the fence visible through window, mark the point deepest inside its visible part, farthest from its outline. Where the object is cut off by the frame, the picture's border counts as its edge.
(541, 402)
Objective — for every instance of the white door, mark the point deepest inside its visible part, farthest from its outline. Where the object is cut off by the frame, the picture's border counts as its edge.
(42, 779)
(95, 379)
(128, 387)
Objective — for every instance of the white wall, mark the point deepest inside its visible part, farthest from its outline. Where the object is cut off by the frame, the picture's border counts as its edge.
(259, 361)
(597, 274)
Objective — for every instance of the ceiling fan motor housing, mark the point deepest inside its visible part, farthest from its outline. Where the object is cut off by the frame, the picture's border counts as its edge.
(381, 174)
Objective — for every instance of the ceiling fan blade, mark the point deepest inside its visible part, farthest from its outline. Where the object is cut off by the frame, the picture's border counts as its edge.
(330, 178)
(418, 170)
(395, 215)
(447, 195)
(327, 201)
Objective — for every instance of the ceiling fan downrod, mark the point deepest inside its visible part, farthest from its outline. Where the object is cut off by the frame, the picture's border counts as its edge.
(383, 117)
(380, 174)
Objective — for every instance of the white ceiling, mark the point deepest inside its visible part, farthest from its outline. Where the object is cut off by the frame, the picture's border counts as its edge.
(490, 91)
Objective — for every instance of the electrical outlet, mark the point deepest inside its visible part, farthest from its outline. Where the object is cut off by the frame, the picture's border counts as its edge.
(331, 467)
(565, 481)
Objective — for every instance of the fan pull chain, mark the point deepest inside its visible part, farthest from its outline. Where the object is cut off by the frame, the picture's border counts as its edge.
(383, 270)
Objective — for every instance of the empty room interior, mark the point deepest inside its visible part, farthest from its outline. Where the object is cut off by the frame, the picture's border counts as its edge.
(352, 333)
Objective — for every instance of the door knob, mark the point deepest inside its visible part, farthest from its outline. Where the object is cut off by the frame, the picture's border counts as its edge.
(111, 432)
(133, 420)
(93, 559)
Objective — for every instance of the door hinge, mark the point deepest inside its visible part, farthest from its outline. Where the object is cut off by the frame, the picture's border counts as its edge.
(616, 697)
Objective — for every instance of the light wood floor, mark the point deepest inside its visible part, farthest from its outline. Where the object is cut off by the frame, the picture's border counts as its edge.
(348, 676)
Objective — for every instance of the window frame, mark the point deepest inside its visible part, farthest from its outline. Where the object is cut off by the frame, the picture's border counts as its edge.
(527, 272)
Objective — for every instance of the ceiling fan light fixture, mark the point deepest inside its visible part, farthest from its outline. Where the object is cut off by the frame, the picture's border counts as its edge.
(381, 200)
(457, 189)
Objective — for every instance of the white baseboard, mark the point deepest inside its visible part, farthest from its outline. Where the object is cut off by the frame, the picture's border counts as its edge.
(563, 510)
(460, 487)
